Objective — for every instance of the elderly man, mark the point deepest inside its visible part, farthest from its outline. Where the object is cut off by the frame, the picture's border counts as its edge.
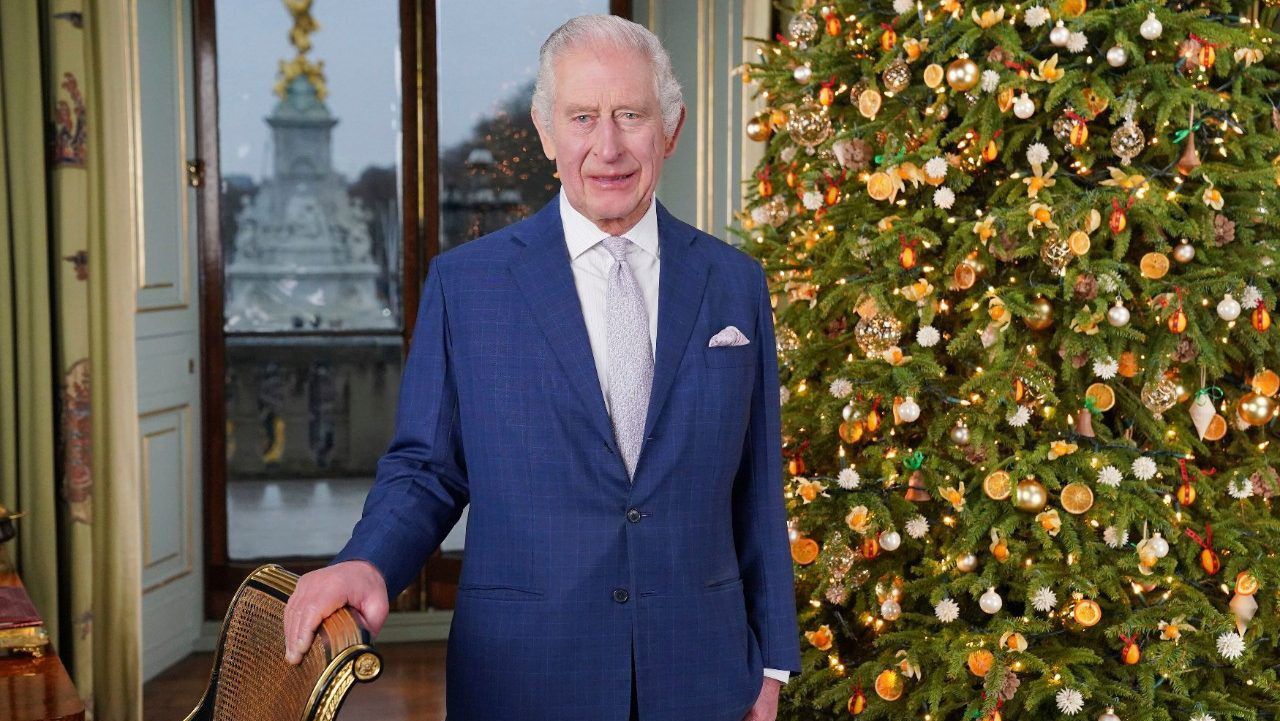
(614, 427)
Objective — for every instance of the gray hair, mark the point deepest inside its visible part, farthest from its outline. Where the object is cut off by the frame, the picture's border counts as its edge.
(617, 32)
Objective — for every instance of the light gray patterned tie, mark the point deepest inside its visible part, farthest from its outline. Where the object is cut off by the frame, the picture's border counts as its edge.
(630, 354)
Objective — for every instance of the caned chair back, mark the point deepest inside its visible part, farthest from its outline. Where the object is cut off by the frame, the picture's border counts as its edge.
(252, 681)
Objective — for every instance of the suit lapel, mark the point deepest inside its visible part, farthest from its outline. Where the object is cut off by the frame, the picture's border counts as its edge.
(543, 272)
(681, 281)
(545, 277)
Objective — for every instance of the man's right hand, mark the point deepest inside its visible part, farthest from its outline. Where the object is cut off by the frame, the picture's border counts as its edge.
(358, 584)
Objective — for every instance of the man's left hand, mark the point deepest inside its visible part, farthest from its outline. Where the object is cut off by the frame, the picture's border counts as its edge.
(766, 706)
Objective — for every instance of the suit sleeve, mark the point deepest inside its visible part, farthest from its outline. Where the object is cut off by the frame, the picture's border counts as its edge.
(759, 514)
(421, 485)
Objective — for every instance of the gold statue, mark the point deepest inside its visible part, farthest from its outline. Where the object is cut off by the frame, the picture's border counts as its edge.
(300, 37)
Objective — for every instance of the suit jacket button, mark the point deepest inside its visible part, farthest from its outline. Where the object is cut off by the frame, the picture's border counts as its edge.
(633, 515)
(620, 595)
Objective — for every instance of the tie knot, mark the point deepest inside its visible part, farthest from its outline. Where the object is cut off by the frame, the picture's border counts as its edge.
(617, 247)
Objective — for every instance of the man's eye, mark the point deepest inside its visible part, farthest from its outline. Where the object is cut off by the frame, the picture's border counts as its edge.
(631, 116)
(581, 118)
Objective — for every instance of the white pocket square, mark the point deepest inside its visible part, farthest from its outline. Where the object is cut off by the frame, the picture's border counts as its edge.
(729, 336)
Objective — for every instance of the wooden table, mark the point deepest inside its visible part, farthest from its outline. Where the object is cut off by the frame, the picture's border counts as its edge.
(36, 689)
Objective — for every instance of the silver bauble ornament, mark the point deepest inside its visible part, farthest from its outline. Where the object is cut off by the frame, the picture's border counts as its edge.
(967, 563)
(1184, 252)
(1151, 27)
(909, 410)
(1024, 107)
(1228, 308)
(960, 434)
(1059, 35)
(1117, 56)
(890, 610)
(990, 602)
(1109, 715)
(890, 540)
(803, 74)
(803, 28)
(1118, 315)
(1159, 546)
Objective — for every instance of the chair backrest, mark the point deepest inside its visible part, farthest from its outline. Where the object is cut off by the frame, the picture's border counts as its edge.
(252, 681)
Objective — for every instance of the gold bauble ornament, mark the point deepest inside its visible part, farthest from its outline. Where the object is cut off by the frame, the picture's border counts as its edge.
(877, 334)
(1030, 496)
(1077, 497)
(1041, 316)
(1159, 395)
(962, 75)
(1127, 141)
(1056, 253)
(759, 128)
(1256, 409)
(897, 76)
(809, 125)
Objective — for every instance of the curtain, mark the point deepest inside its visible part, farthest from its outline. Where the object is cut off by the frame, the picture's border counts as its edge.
(67, 392)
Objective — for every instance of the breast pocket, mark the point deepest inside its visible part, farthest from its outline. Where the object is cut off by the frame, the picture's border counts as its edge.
(731, 356)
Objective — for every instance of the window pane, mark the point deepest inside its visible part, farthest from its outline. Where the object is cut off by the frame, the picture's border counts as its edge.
(309, 133)
(492, 170)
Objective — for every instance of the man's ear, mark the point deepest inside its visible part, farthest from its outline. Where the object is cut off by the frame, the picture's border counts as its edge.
(544, 135)
(675, 136)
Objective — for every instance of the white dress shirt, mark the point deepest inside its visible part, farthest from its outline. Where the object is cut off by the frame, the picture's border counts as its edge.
(591, 262)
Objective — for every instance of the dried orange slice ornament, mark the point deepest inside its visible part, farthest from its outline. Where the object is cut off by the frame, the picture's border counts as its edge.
(804, 551)
(1104, 399)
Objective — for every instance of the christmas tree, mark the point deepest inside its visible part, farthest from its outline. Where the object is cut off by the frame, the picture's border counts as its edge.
(1023, 258)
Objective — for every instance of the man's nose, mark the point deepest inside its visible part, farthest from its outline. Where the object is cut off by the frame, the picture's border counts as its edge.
(608, 145)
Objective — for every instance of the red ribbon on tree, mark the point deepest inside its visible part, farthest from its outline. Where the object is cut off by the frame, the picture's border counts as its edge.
(1075, 116)
(1202, 41)
(1182, 463)
(1205, 542)
(793, 452)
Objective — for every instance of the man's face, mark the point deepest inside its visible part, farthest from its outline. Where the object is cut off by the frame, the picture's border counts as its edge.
(605, 134)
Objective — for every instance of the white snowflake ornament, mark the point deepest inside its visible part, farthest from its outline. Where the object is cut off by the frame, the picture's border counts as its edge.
(928, 336)
(1037, 154)
(784, 395)
(944, 197)
(1069, 701)
(1106, 368)
(947, 610)
(1251, 297)
(1144, 468)
(841, 388)
(1019, 418)
(917, 527)
(1044, 599)
(990, 81)
(903, 6)
(1077, 42)
(1231, 645)
(1115, 537)
(1240, 489)
(1036, 16)
(848, 479)
(812, 200)
(1110, 476)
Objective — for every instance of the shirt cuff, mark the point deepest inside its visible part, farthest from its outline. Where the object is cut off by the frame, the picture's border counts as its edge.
(780, 674)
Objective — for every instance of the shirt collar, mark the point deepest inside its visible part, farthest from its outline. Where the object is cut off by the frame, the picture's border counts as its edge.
(581, 234)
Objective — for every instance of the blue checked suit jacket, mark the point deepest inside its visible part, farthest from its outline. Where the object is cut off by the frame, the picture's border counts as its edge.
(569, 567)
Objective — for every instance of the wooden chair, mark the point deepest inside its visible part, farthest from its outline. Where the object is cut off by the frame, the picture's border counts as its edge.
(251, 681)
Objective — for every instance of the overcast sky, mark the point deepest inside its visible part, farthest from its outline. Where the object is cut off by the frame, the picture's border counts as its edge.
(486, 51)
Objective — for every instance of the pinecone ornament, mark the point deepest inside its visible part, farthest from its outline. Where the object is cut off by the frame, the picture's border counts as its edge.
(1224, 230)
